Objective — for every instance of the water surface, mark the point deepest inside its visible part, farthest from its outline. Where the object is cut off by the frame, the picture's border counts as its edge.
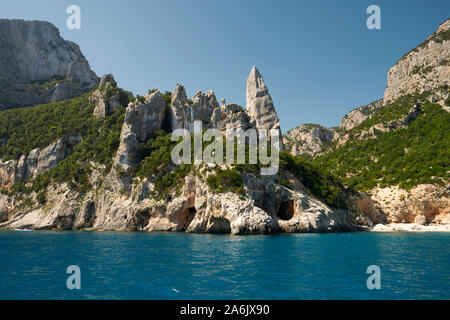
(188, 266)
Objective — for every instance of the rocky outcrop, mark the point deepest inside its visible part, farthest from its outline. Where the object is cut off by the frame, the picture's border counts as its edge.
(308, 139)
(424, 204)
(50, 69)
(184, 112)
(260, 107)
(4, 215)
(231, 117)
(104, 98)
(141, 120)
(7, 174)
(46, 158)
(178, 108)
(37, 161)
(359, 115)
(201, 109)
(400, 123)
(267, 207)
(425, 68)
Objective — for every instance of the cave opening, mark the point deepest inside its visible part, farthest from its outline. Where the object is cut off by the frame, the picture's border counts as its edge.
(286, 210)
(185, 218)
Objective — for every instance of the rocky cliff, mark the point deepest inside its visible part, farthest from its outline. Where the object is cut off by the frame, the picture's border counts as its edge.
(50, 69)
(425, 68)
(267, 207)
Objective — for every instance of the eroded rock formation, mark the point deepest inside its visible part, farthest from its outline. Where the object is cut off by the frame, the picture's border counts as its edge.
(37, 161)
(308, 139)
(141, 120)
(266, 208)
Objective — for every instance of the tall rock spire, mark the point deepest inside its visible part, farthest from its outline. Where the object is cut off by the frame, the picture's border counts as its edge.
(260, 106)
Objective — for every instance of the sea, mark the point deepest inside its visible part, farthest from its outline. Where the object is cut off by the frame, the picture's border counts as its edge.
(67, 265)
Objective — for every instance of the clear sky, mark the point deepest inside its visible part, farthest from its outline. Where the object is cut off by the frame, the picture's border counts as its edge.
(317, 57)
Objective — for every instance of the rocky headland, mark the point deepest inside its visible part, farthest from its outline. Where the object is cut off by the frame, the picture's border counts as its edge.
(105, 164)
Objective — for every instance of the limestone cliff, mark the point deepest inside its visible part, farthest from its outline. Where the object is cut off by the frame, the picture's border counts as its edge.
(267, 207)
(308, 139)
(50, 69)
(425, 68)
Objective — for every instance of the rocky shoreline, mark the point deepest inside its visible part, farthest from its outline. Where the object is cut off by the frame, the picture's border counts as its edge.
(410, 227)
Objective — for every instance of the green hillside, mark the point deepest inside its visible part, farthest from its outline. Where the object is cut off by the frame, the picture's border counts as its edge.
(417, 154)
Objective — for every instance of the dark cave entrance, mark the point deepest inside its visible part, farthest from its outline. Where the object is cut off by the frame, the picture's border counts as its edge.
(286, 210)
(185, 218)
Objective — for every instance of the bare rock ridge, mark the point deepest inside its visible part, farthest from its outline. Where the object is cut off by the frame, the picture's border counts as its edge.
(425, 68)
(141, 119)
(50, 69)
(359, 115)
(145, 117)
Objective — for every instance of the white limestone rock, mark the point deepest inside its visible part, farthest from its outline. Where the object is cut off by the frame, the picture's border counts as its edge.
(141, 120)
(308, 139)
(50, 69)
(425, 68)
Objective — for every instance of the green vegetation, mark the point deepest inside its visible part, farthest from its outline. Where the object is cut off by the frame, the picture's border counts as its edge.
(405, 156)
(36, 127)
(319, 183)
(392, 111)
(47, 84)
(447, 102)
(153, 160)
(226, 180)
(25, 129)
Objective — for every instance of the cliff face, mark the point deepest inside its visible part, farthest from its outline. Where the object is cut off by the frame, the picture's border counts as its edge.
(117, 205)
(425, 68)
(38, 66)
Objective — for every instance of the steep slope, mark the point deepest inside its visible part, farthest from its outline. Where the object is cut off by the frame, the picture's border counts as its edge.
(425, 68)
(50, 69)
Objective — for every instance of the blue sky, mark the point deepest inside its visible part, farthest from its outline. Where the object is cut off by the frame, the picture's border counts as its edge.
(318, 59)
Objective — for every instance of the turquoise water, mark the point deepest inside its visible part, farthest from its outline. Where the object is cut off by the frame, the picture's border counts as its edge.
(188, 266)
